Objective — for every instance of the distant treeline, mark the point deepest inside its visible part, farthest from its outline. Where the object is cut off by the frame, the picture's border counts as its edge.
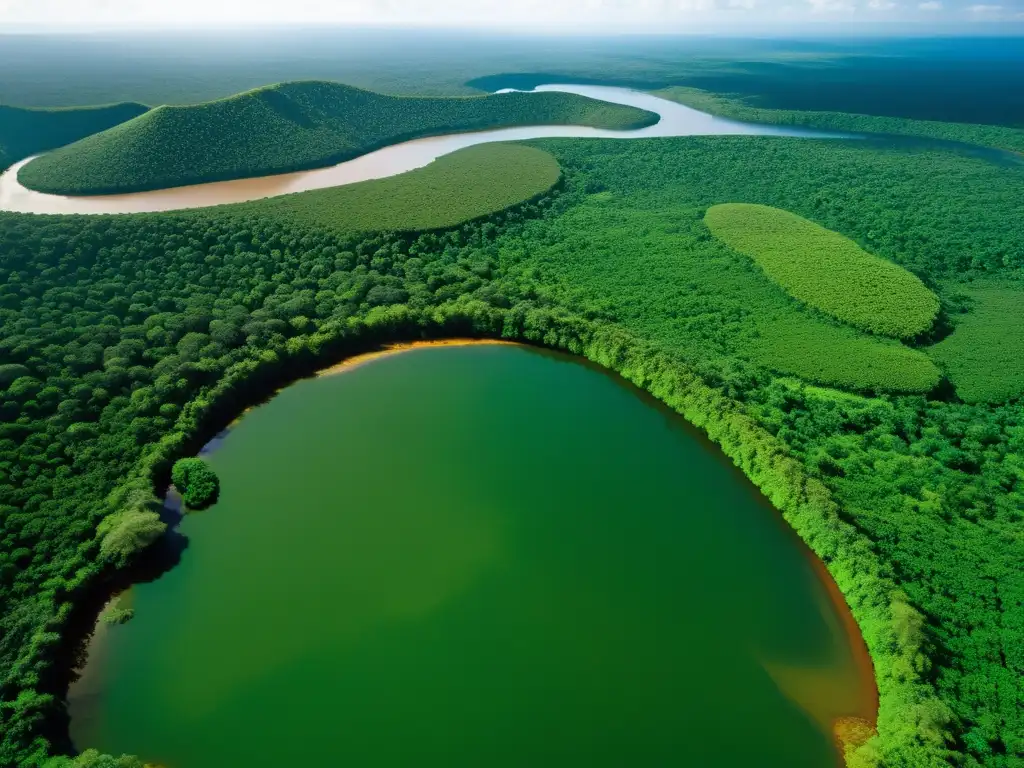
(965, 132)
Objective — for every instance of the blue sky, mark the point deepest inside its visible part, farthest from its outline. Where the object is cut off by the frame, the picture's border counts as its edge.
(665, 16)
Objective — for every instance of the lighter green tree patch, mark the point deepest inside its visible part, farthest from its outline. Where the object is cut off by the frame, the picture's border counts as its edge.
(827, 271)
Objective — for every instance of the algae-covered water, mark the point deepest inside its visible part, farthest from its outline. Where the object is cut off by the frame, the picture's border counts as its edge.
(475, 556)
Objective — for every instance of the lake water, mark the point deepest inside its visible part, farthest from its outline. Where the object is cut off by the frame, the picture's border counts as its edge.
(676, 120)
(473, 556)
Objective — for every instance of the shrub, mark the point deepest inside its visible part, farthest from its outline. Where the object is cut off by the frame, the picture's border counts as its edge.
(198, 484)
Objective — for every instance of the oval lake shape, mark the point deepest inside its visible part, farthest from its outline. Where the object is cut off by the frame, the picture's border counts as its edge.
(476, 556)
(676, 120)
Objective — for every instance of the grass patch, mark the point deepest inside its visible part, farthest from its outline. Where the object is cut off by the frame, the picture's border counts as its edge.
(290, 127)
(984, 356)
(827, 271)
(464, 185)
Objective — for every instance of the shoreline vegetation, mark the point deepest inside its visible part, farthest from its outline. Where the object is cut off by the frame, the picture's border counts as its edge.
(991, 136)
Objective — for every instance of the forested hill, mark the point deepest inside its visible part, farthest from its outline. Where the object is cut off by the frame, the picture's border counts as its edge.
(289, 127)
(25, 132)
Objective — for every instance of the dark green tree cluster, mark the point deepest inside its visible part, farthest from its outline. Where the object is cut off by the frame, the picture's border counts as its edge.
(196, 481)
(25, 132)
(290, 127)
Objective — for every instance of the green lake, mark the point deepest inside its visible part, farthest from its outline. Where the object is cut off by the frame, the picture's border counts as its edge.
(471, 556)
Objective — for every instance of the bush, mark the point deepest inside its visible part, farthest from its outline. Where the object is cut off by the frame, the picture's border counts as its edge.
(198, 484)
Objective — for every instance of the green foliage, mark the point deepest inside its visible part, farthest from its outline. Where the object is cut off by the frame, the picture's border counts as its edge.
(826, 270)
(91, 758)
(25, 132)
(11, 372)
(126, 533)
(115, 614)
(290, 127)
(838, 357)
(937, 488)
(464, 185)
(984, 357)
(996, 136)
(647, 260)
(144, 335)
(197, 482)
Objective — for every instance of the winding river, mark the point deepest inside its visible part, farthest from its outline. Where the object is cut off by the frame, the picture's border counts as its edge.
(676, 120)
(484, 555)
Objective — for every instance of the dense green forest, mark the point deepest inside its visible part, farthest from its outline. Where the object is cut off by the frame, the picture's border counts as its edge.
(984, 356)
(128, 340)
(290, 127)
(25, 132)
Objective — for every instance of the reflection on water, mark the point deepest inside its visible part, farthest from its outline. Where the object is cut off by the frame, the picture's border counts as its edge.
(676, 120)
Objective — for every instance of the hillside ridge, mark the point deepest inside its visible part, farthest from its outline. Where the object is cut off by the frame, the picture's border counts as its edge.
(26, 131)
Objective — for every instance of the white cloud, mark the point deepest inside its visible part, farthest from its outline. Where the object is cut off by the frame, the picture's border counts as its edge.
(534, 15)
(830, 6)
(696, 5)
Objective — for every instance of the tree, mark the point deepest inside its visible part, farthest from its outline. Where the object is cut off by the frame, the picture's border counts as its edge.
(197, 482)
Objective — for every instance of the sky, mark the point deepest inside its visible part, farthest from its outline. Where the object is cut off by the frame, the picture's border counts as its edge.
(664, 16)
